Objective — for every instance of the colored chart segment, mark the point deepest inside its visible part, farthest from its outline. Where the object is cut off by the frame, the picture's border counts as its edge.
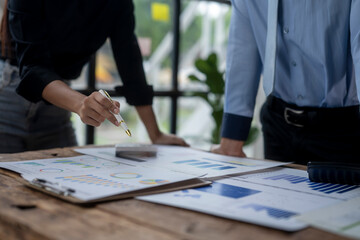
(72, 162)
(35, 164)
(51, 170)
(125, 175)
(233, 162)
(272, 212)
(91, 179)
(327, 188)
(187, 194)
(111, 164)
(227, 190)
(204, 164)
(153, 181)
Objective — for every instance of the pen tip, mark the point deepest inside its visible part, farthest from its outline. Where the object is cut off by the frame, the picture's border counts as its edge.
(128, 133)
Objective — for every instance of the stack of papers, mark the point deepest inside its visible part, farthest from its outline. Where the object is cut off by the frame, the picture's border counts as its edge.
(255, 191)
(273, 198)
(101, 176)
(86, 179)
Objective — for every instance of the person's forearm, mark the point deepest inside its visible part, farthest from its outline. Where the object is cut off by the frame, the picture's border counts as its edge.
(92, 109)
(147, 116)
(61, 95)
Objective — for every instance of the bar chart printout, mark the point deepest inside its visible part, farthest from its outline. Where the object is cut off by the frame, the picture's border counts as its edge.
(298, 180)
(246, 201)
(273, 198)
(273, 212)
(204, 164)
(187, 160)
(326, 188)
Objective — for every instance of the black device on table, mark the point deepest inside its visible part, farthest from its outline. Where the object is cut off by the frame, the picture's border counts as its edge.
(334, 172)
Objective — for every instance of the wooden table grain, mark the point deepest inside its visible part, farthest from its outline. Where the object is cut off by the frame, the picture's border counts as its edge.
(29, 214)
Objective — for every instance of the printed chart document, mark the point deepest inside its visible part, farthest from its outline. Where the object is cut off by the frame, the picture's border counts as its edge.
(342, 218)
(82, 163)
(187, 160)
(86, 179)
(272, 198)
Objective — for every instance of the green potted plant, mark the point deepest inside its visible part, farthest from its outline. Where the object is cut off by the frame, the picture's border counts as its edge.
(214, 80)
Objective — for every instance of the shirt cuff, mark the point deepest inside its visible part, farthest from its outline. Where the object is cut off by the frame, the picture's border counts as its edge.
(235, 127)
(135, 95)
(34, 81)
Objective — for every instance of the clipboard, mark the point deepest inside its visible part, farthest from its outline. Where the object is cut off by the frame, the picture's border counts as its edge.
(67, 194)
(86, 179)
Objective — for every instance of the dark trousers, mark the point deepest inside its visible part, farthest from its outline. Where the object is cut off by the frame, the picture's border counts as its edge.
(301, 135)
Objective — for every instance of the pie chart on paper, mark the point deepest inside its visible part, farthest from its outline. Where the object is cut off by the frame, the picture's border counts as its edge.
(125, 175)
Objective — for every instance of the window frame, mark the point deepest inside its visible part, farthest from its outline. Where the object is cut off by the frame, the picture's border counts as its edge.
(174, 93)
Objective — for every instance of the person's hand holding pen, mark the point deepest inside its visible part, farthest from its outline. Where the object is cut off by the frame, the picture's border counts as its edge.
(92, 109)
(96, 108)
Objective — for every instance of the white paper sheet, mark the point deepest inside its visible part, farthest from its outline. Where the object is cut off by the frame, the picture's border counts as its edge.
(297, 180)
(342, 218)
(83, 163)
(93, 185)
(189, 161)
(257, 198)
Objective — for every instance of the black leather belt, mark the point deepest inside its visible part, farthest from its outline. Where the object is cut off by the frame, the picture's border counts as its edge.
(312, 116)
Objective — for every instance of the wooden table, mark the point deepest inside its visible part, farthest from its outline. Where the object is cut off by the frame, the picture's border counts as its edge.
(29, 214)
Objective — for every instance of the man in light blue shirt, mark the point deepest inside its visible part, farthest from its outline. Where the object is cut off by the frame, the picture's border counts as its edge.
(312, 109)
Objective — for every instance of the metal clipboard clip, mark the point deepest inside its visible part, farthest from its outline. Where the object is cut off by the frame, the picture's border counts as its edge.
(53, 187)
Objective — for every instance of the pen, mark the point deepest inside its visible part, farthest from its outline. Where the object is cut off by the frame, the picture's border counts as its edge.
(117, 116)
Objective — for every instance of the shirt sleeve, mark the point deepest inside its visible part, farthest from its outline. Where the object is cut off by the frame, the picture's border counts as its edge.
(27, 25)
(242, 74)
(129, 60)
(355, 41)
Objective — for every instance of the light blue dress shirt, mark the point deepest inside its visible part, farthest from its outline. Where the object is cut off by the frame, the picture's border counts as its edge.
(317, 58)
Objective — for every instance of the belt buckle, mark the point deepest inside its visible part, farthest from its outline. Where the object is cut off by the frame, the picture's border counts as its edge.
(286, 116)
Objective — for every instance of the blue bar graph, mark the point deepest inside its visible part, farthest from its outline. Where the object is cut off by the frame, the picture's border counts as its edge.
(211, 165)
(204, 164)
(273, 212)
(227, 190)
(321, 187)
(199, 163)
(186, 194)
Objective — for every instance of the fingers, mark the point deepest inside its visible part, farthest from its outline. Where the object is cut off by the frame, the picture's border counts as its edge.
(106, 104)
(91, 122)
(216, 149)
(224, 150)
(170, 139)
(181, 142)
(117, 104)
(105, 108)
(96, 108)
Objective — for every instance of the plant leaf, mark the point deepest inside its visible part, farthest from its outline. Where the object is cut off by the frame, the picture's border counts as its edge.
(212, 60)
(203, 66)
(194, 78)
